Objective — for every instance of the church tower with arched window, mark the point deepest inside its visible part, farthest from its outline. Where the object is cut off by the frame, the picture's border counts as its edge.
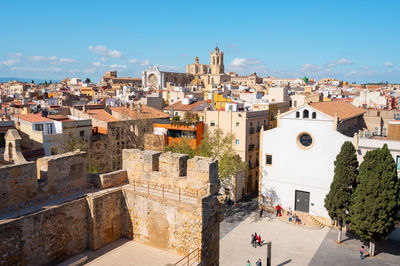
(216, 61)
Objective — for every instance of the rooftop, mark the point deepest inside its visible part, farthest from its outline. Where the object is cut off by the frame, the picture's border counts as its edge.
(178, 106)
(343, 109)
(145, 112)
(32, 118)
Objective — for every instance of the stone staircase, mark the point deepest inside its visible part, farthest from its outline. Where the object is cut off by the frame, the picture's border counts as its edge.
(306, 220)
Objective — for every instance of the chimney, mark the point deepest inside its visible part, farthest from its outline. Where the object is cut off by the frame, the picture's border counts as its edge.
(84, 108)
(335, 122)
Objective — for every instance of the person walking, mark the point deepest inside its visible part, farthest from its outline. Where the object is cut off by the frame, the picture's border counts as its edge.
(259, 240)
(261, 212)
(362, 251)
(259, 263)
(248, 263)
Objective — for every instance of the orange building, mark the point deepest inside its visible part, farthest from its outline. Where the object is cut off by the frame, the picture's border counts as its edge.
(176, 132)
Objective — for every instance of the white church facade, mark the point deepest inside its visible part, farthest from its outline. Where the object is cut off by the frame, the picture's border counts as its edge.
(297, 157)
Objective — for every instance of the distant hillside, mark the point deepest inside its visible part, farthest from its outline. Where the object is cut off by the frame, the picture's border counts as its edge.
(37, 81)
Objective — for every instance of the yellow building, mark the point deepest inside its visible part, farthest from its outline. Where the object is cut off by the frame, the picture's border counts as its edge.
(218, 99)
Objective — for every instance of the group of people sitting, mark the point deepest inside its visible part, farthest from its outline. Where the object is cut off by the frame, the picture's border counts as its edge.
(293, 217)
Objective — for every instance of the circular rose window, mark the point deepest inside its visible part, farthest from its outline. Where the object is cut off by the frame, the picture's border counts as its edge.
(305, 140)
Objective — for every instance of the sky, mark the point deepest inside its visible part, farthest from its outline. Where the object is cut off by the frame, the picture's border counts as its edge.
(355, 41)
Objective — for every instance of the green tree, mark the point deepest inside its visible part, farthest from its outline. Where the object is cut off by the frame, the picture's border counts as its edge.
(375, 200)
(87, 80)
(305, 79)
(219, 146)
(338, 200)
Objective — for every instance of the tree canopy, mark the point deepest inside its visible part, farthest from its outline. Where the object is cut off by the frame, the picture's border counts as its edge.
(344, 183)
(375, 200)
(216, 145)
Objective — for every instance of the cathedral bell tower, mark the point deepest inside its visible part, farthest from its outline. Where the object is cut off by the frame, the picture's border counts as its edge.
(217, 61)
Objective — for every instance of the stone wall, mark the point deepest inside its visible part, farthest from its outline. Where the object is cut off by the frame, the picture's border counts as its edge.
(18, 183)
(45, 237)
(171, 169)
(56, 233)
(57, 172)
(105, 218)
(113, 179)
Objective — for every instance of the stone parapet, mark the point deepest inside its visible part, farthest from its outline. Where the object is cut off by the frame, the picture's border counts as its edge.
(57, 172)
(171, 169)
(18, 183)
(113, 179)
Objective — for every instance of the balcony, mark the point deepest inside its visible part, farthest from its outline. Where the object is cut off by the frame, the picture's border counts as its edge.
(252, 130)
(251, 147)
(258, 129)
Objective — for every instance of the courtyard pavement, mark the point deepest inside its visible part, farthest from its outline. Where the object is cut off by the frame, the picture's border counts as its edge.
(123, 252)
(292, 244)
(347, 253)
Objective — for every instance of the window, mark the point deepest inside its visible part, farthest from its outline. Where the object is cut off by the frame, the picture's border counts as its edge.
(314, 115)
(268, 159)
(82, 133)
(49, 129)
(39, 127)
(237, 124)
(398, 162)
(212, 123)
(305, 114)
(237, 142)
(297, 114)
(305, 140)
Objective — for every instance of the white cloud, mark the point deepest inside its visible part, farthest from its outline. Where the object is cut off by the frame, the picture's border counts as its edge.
(67, 60)
(342, 61)
(98, 64)
(39, 58)
(90, 70)
(168, 68)
(10, 62)
(145, 62)
(103, 59)
(51, 59)
(388, 64)
(116, 66)
(133, 60)
(15, 55)
(104, 51)
(37, 69)
(310, 67)
(244, 62)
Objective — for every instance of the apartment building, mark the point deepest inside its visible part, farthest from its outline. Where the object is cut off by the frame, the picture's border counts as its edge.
(246, 127)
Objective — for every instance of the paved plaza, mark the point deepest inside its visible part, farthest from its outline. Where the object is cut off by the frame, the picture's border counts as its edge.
(292, 244)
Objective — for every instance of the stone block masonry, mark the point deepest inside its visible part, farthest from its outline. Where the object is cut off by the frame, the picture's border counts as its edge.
(145, 215)
(45, 237)
(20, 183)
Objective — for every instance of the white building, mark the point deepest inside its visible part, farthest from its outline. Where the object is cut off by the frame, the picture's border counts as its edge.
(297, 157)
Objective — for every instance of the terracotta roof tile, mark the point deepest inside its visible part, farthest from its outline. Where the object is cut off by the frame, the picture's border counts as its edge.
(344, 109)
(32, 118)
(178, 106)
(146, 112)
(101, 114)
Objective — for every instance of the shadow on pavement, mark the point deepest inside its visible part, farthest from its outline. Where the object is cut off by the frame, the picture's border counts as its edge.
(285, 262)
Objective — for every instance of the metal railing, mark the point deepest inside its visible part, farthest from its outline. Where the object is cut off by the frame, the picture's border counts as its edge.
(193, 193)
(193, 258)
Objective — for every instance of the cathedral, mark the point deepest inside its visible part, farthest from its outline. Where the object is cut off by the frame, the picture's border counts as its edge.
(212, 74)
(197, 75)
